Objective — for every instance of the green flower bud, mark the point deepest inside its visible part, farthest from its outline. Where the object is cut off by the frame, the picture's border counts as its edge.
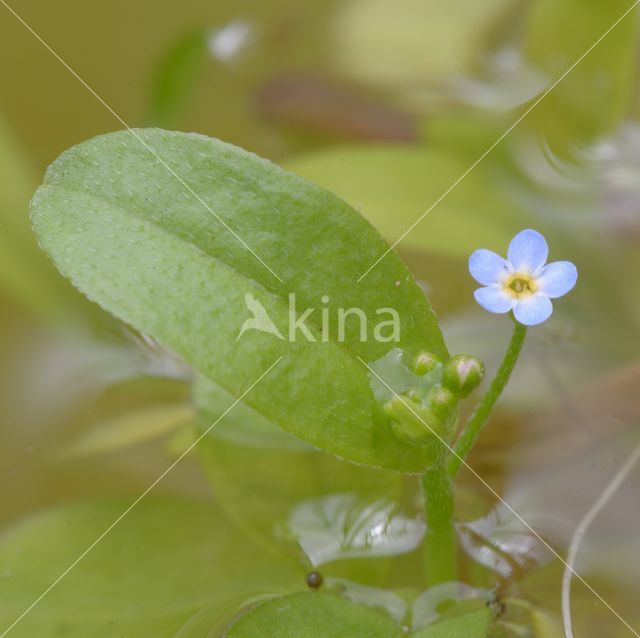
(462, 374)
(424, 363)
(410, 421)
(441, 402)
(424, 425)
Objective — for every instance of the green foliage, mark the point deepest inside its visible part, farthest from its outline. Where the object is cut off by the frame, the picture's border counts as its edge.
(133, 238)
(242, 425)
(314, 615)
(163, 564)
(175, 79)
(137, 239)
(595, 96)
(472, 624)
(394, 185)
(327, 614)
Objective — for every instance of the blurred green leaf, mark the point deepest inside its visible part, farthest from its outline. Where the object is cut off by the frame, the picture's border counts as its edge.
(175, 78)
(181, 442)
(133, 238)
(25, 272)
(314, 615)
(127, 430)
(408, 44)
(597, 93)
(393, 186)
(163, 563)
(544, 625)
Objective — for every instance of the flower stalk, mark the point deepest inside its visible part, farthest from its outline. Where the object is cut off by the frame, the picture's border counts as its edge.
(440, 541)
(480, 416)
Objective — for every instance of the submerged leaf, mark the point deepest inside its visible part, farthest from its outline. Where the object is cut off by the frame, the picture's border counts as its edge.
(285, 473)
(127, 430)
(140, 241)
(126, 585)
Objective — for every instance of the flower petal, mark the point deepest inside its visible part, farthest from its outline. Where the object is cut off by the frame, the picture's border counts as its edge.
(487, 267)
(493, 299)
(558, 278)
(528, 251)
(533, 310)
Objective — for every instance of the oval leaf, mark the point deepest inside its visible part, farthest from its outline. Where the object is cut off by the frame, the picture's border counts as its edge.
(475, 624)
(138, 240)
(314, 615)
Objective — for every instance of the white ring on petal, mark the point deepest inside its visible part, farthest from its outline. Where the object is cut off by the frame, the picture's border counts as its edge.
(494, 299)
(528, 251)
(557, 278)
(530, 311)
(487, 267)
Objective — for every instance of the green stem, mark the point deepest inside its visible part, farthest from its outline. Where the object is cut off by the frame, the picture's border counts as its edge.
(440, 541)
(481, 414)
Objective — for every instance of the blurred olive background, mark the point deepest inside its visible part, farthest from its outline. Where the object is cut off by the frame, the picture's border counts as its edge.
(387, 103)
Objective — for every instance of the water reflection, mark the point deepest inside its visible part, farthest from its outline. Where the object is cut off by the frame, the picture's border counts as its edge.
(507, 82)
(225, 43)
(501, 542)
(372, 596)
(598, 184)
(341, 526)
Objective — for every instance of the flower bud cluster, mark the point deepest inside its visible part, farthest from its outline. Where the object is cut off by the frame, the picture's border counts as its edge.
(427, 416)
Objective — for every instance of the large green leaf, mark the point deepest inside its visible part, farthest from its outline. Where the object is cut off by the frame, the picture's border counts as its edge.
(597, 93)
(165, 563)
(394, 185)
(329, 615)
(134, 238)
(314, 615)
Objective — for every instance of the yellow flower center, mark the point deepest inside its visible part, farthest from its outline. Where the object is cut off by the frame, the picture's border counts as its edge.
(520, 285)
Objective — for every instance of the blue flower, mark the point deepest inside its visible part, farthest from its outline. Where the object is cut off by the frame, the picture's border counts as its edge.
(521, 282)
